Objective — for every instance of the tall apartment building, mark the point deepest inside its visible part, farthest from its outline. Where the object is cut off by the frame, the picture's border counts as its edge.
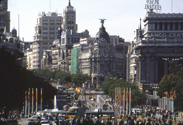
(46, 32)
(60, 52)
(4, 16)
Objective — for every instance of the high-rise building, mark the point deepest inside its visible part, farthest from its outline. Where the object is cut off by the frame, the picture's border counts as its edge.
(61, 48)
(4, 16)
(46, 32)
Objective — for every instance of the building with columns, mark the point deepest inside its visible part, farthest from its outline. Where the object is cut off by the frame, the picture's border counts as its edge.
(160, 41)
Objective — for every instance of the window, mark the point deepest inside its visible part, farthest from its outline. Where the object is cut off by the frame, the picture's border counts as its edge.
(45, 28)
(52, 32)
(45, 32)
(52, 28)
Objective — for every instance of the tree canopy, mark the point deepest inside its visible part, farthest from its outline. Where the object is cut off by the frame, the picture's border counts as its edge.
(14, 80)
(61, 76)
(173, 82)
(79, 78)
(109, 84)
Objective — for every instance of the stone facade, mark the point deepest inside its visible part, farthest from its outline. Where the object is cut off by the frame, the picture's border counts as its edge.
(102, 56)
(160, 41)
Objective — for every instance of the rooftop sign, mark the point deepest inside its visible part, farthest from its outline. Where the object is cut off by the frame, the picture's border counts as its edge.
(152, 5)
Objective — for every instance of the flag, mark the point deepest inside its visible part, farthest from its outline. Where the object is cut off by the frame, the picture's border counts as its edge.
(25, 95)
(174, 94)
(170, 94)
(41, 95)
(166, 94)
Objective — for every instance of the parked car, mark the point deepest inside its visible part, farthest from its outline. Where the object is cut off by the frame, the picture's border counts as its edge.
(45, 122)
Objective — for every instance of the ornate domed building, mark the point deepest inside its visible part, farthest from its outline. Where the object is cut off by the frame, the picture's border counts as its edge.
(104, 56)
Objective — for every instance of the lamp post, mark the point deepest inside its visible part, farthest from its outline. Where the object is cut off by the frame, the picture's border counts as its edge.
(154, 86)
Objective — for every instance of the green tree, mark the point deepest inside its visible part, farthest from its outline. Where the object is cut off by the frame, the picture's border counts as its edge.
(64, 77)
(14, 80)
(110, 84)
(44, 73)
(171, 83)
(79, 78)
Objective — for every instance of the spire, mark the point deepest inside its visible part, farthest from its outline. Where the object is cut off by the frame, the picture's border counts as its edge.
(140, 23)
(140, 31)
(69, 3)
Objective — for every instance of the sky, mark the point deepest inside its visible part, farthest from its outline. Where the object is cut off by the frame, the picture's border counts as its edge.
(123, 16)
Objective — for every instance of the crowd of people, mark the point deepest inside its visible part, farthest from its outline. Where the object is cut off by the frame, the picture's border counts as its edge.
(148, 116)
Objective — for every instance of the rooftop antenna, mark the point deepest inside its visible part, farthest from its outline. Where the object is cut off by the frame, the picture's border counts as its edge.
(172, 6)
(18, 25)
(50, 5)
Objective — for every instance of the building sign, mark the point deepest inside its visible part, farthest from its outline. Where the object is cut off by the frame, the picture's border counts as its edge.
(165, 35)
(152, 5)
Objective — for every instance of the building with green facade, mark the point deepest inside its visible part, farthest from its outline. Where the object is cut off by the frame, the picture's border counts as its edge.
(74, 60)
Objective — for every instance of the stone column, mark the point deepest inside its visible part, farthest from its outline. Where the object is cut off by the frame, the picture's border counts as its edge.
(143, 68)
(137, 70)
(166, 67)
(156, 70)
(152, 70)
(148, 66)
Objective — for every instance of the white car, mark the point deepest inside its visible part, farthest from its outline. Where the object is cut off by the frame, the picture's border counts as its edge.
(33, 118)
(45, 122)
(70, 89)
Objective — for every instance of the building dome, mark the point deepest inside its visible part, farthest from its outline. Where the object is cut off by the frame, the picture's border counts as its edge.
(102, 34)
(14, 32)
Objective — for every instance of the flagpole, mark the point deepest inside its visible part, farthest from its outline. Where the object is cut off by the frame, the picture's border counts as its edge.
(123, 101)
(28, 102)
(130, 99)
(25, 103)
(32, 101)
(126, 101)
(41, 98)
(36, 99)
